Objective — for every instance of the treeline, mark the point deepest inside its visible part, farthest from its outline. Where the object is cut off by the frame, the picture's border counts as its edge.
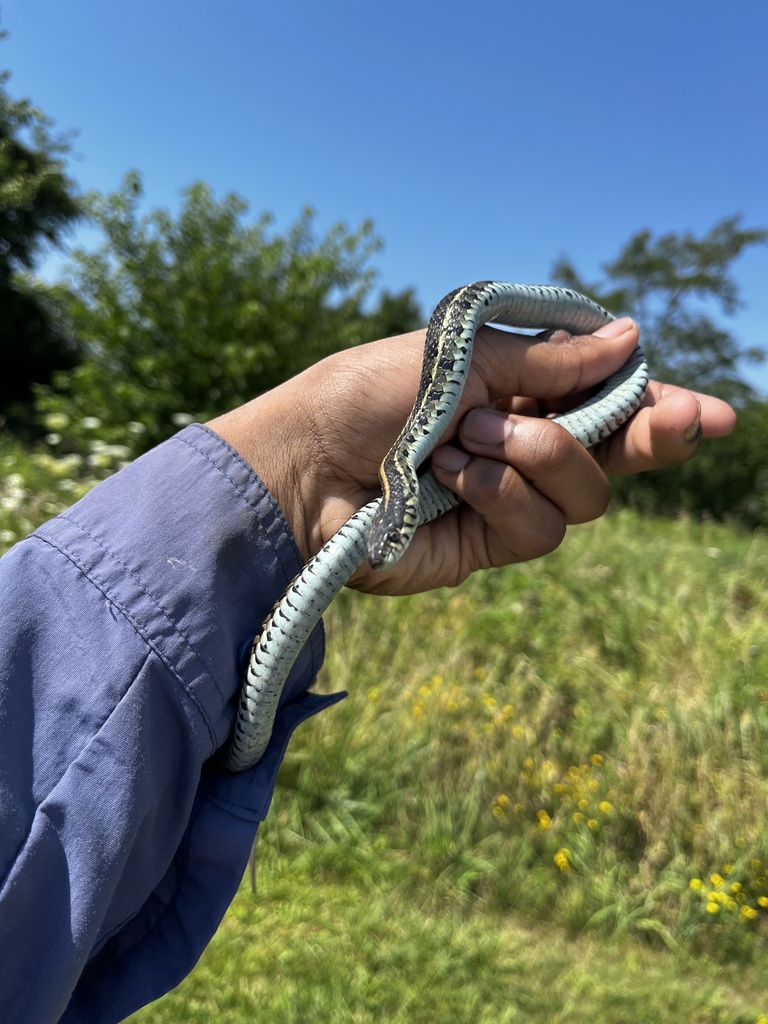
(173, 318)
(679, 288)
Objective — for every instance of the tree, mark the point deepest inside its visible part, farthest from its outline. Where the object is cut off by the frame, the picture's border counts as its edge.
(38, 203)
(186, 317)
(670, 285)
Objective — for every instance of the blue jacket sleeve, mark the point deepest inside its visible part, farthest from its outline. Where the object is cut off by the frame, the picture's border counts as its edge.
(122, 627)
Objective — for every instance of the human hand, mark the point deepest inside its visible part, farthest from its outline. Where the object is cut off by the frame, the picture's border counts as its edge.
(317, 442)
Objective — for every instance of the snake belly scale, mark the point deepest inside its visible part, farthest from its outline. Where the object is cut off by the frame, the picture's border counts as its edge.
(383, 529)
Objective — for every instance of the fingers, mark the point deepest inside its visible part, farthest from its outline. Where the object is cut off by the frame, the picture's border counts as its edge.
(666, 431)
(527, 478)
(551, 366)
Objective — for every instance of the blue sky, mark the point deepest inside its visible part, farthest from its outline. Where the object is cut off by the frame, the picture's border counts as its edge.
(483, 139)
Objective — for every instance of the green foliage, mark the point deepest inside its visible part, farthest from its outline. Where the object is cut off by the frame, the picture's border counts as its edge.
(38, 203)
(40, 481)
(183, 318)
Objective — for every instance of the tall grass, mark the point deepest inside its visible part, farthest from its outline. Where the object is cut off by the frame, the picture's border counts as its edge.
(578, 739)
(544, 800)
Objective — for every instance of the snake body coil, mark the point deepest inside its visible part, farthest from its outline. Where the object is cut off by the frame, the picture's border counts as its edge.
(383, 529)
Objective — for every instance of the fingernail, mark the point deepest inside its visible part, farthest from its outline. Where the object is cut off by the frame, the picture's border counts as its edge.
(693, 433)
(450, 459)
(615, 328)
(485, 426)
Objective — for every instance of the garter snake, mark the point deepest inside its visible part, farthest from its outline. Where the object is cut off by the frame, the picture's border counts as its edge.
(383, 529)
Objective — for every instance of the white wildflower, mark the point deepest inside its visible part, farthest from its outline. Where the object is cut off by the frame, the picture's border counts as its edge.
(56, 421)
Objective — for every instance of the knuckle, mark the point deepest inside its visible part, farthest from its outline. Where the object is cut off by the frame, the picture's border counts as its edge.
(596, 504)
(496, 490)
(555, 336)
(553, 447)
(503, 484)
(549, 535)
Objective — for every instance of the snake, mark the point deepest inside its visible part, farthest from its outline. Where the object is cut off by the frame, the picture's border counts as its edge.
(382, 530)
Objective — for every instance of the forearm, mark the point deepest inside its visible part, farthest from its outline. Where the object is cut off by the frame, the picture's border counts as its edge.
(122, 627)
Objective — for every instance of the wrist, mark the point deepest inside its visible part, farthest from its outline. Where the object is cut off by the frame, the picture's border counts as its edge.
(264, 433)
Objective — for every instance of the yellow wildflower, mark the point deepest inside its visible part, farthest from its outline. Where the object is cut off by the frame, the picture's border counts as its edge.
(593, 824)
(605, 807)
(562, 859)
(696, 884)
(748, 913)
(544, 820)
(596, 760)
(713, 908)
(763, 902)
(717, 880)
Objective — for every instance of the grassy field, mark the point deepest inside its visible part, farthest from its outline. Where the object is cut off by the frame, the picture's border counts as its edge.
(544, 800)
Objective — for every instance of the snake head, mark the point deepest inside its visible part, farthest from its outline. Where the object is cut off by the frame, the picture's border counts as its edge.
(387, 539)
(384, 547)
